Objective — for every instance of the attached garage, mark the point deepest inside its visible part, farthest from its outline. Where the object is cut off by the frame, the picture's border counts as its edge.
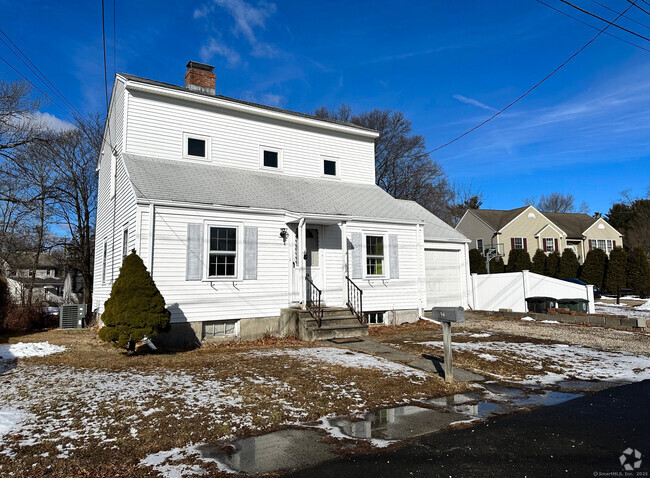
(444, 278)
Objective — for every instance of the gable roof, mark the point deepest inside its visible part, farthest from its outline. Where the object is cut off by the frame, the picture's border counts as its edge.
(434, 227)
(25, 260)
(496, 218)
(574, 224)
(182, 181)
(171, 86)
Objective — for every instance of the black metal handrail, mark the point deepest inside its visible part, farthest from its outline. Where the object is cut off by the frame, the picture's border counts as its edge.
(314, 305)
(355, 300)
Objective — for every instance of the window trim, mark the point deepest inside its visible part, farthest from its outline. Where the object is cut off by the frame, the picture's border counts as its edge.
(104, 260)
(336, 161)
(376, 314)
(279, 151)
(207, 139)
(480, 247)
(236, 329)
(386, 273)
(522, 243)
(125, 245)
(239, 252)
(550, 249)
(113, 175)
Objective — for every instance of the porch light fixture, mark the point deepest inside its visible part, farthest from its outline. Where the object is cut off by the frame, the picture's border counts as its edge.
(284, 234)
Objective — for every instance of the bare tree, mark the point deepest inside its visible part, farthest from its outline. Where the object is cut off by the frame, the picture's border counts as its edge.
(463, 198)
(74, 155)
(557, 202)
(403, 167)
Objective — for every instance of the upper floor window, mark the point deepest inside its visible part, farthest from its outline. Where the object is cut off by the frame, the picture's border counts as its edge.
(330, 167)
(479, 245)
(222, 260)
(519, 242)
(104, 257)
(196, 146)
(125, 242)
(549, 244)
(271, 158)
(375, 255)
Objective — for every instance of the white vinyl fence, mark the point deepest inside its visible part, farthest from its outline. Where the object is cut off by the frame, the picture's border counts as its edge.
(510, 290)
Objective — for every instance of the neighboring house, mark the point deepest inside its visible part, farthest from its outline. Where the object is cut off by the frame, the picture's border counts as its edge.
(48, 286)
(529, 229)
(237, 209)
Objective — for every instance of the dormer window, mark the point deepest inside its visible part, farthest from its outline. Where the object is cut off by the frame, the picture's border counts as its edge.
(330, 167)
(196, 146)
(270, 158)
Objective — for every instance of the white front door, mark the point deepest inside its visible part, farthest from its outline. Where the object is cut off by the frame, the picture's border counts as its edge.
(314, 259)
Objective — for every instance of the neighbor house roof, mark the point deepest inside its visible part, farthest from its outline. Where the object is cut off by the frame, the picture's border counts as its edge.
(182, 181)
(242, 102)
(574, 224)
(434, 227)
(25, 260)
(495, 218)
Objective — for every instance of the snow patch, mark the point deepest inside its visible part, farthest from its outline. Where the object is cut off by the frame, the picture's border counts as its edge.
(550, 322)
(479, 336)
(10, 419)
(645, 306)
(528, 319)
(30, 349)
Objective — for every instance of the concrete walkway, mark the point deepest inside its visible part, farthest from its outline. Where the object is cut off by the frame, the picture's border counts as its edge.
(429, 364)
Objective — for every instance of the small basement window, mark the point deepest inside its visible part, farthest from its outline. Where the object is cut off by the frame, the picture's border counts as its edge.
(219, 328)
(271, 159)
(375, 317)
(329, 167)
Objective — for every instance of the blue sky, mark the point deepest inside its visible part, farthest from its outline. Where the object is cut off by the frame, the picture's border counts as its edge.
(446, 65)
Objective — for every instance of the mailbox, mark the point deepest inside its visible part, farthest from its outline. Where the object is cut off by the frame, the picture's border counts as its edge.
(448, 314)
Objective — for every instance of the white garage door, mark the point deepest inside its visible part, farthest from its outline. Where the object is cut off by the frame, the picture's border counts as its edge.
(442, 269)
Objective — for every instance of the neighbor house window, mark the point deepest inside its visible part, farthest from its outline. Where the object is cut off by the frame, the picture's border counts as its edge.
(550, 244)
(479, 245)
(125, 242)
(219, 329)
(605, 245)
(519, 242)
(330, 167)
(223, 252)
(374, 255)
(104, 257)
(375, 317)
(195, 146)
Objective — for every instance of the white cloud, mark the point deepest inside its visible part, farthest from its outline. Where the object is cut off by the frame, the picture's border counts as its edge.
(247, 17)
(52, 122)
(272, 99)
(214, 47)
(470, 101)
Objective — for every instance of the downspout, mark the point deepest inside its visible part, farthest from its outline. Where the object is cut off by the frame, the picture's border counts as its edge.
(420, 242)
(344, 258)
(152, 218)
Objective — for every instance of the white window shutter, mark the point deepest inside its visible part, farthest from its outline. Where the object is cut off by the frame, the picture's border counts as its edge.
(194, 267)
(355, 256)
(250, 253)
(393, 256)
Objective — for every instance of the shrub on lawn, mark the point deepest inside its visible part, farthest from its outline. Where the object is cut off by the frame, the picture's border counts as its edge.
(615, 276)
(497, 266)
(593, 270)
(569, 264)
(5, 299)
(518, 260)
(476, 262)
(135, 308)
(638, 272)
(553, 264)
(22, 318)
(538, 265)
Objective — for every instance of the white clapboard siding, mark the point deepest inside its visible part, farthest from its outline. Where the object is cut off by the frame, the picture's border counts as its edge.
(389, 294)
(156, 126)
(218, 300)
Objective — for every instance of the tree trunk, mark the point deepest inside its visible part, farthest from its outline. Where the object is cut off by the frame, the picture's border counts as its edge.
(131, 348)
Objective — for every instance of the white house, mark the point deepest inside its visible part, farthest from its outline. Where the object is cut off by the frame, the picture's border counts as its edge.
(245, 214)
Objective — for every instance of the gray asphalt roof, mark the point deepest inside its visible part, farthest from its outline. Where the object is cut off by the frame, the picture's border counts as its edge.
(235, 100)
(169, 180)
(434, 227)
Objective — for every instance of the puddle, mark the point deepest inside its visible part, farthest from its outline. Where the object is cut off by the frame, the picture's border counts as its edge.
(285, 449)
(399, 423)
(300, 448)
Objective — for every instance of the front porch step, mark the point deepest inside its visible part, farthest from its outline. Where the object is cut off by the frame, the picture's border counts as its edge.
(337, 322)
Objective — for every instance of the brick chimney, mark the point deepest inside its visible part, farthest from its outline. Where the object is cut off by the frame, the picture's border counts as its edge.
(200, 77)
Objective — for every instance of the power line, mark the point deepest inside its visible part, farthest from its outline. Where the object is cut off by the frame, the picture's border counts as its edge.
(594, 27)
(640, 8)
(532, 88)
(28, 81)
(614, 11)
(104, 50)
(607, 21)
(114, 40)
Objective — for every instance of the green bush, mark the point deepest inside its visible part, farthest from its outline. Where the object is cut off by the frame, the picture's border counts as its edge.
(518, 260)
(135, 309)
(553, 264)
(569, 264)
(476, 262)
(497, 266)
(638, 272)
(538, 265)
(593, 270)
(615, 276)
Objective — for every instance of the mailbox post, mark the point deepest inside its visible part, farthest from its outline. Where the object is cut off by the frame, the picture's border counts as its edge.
(447, 315)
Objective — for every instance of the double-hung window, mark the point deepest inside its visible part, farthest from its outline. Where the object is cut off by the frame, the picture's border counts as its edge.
(222, 261)
(479, 245)
(550, 244)
(519, 242)
(375, 255)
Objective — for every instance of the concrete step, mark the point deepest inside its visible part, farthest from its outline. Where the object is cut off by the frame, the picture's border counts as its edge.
(331, 322)
(326, 333)
(328, 312)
